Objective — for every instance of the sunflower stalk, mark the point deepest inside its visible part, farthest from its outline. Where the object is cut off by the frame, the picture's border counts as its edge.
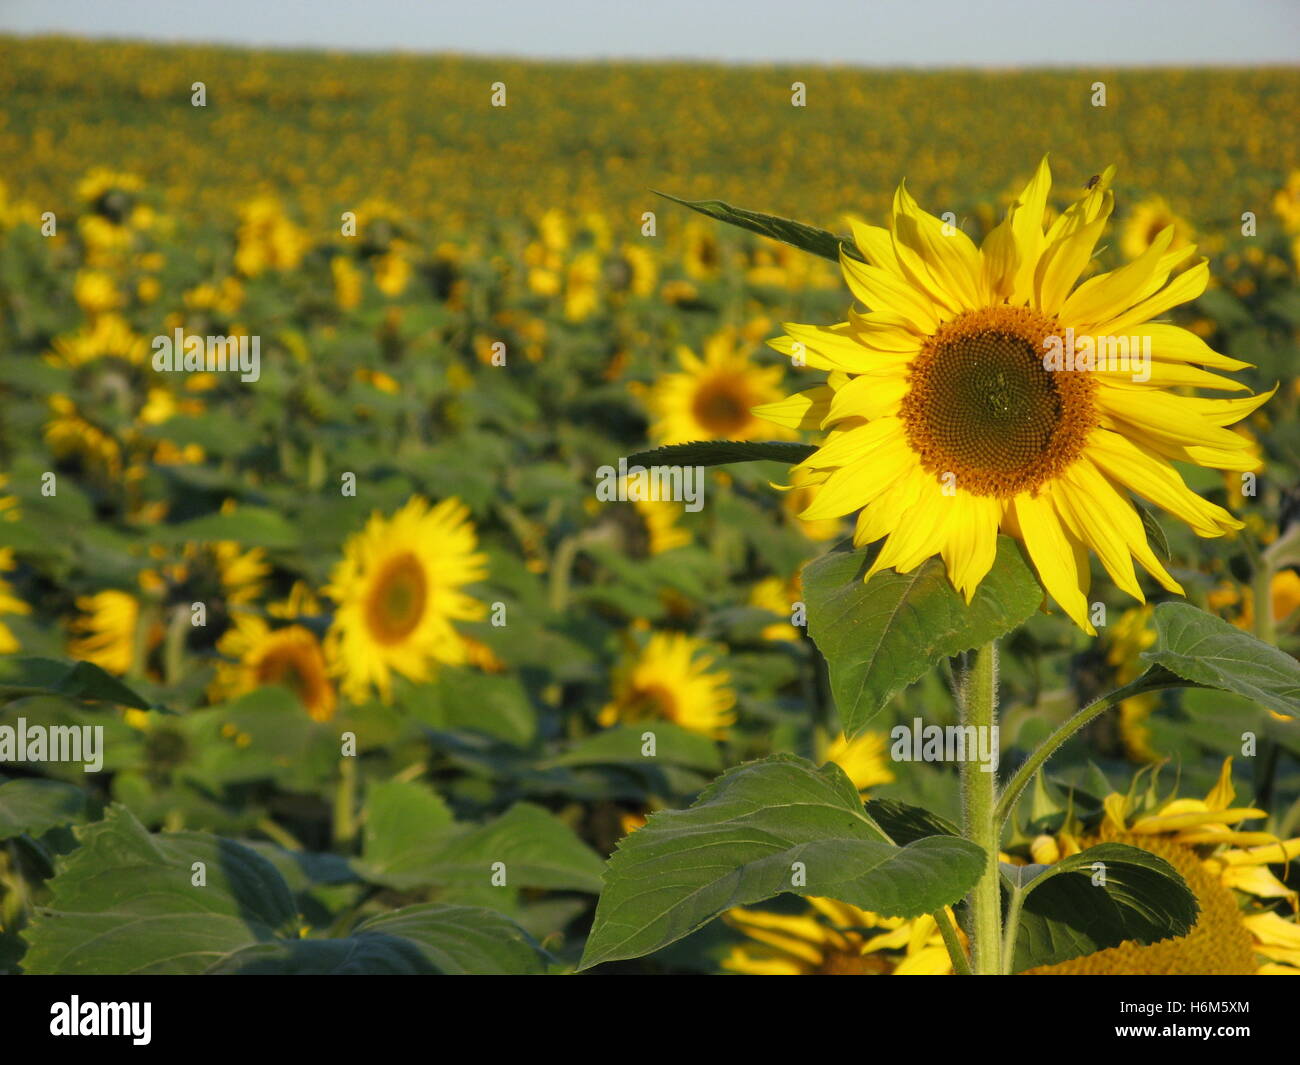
(1152, 680)
(979, 804)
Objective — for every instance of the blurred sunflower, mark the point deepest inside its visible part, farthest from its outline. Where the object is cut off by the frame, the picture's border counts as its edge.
(108, 631)
(672, 679)
(1285, 589)
(9, 602)
(267, 238)
(259, 655)
(662, 530)
(95, 292)
(398, 592)
(711, 397)
(1286, 202)
(702, 255)
(1146, 222)
(862, 758)
(109, 337)
(778, 596)
(835, 939)
(1239, 930)
(8, 504)
(947, 426)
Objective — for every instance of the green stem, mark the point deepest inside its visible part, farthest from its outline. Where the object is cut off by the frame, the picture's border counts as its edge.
(1009, 935)
(280, 835)
(345, 828)
(979, 798)
(960, 963)
(1152, 680)
(174, 647)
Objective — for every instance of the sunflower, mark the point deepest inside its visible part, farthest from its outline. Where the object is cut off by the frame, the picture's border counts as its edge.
(835, 939)
(660, 518)
(260, 655)
(947, 424)
(862, 759)
(778, 596)
(95, 292)
(1286, 202)
(108, 631)
(9, 603)
(1148, 220)
(268, 239)
(108, 337)
(398, 591)
(672, 679)
(1239, 929)
(711, 397)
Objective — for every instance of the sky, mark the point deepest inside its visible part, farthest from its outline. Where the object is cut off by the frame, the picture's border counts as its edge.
(896, 33)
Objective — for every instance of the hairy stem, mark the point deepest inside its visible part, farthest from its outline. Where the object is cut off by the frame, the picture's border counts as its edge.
(979, 798)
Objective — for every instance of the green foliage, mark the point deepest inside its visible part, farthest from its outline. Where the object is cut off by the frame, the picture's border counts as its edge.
(880, 635)
(1097, 898)
(128, 902)
(1207, 652)
(778, 825)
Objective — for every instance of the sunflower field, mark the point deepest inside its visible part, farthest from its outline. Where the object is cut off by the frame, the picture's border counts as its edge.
(367, 650)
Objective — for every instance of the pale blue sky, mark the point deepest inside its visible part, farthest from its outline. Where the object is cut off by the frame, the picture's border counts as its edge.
(1087, 33)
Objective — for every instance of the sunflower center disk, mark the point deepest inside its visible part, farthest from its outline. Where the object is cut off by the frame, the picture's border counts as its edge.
(721, 408)
(982, 408)
(397, 602)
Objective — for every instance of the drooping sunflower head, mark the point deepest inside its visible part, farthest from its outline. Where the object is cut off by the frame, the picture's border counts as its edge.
(983, 389)
(672, 679)
(711, 398)
(1240, 928)
(108, 631)
(1148, 220)
(398, 590)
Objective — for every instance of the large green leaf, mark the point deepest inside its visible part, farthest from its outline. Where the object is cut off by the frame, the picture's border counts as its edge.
(797, 234)
(124, 902)
(1210, 653)
(411, 841)
(881, 635)
(20, 677)
(720, 452)
(738, 844)
(36, 806)
(414, 940)
(1066, 914)
(406, 824)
